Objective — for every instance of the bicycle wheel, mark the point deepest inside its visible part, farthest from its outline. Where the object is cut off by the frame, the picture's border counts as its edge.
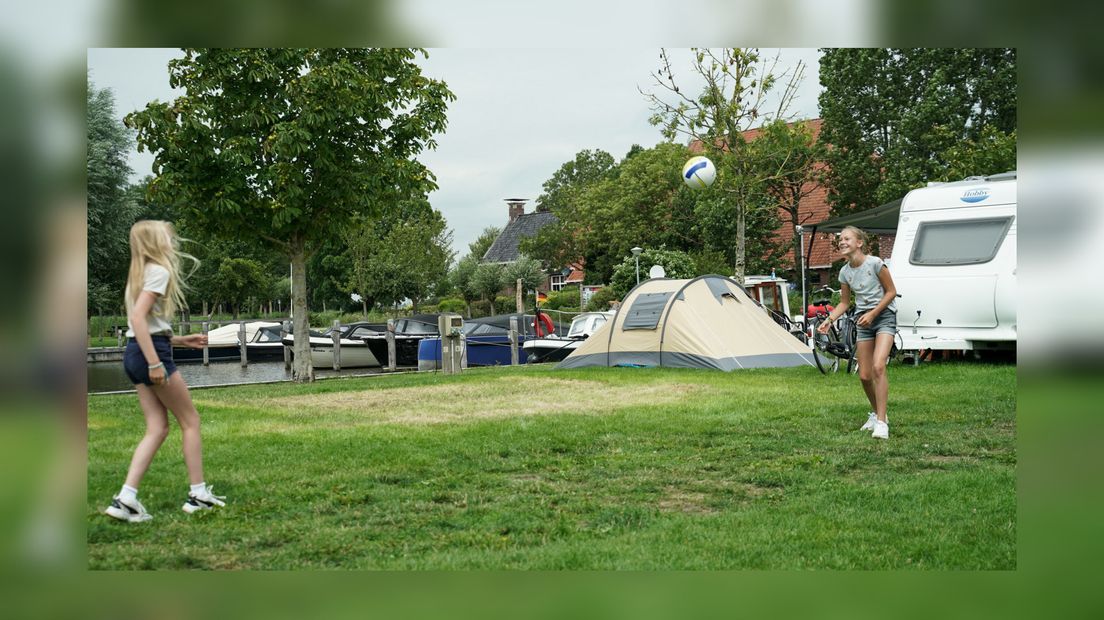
(825, 361)
(852, 349)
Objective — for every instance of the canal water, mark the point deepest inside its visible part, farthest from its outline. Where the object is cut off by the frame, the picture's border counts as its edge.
(110, 377)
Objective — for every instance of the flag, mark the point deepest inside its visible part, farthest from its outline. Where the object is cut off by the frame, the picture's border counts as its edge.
(541, 297)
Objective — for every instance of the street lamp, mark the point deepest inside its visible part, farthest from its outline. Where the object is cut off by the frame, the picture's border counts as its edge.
(636, 255)
(801, 254)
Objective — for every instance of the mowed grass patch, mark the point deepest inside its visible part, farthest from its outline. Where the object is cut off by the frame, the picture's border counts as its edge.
(534, 468)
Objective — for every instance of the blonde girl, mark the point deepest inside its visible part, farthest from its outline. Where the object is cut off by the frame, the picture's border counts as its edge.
(876, 309)
(153, 293)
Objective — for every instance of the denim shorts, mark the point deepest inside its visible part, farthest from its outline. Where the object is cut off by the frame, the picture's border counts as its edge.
(135, 364)
(884, 323)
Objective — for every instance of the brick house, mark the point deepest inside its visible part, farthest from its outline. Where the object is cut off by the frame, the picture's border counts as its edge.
(521, 225)
(813, 208)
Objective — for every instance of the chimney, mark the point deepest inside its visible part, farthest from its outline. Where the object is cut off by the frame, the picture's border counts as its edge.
(516, 207)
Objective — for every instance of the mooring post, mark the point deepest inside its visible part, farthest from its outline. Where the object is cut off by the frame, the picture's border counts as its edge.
(513, 341)
(285, 327)
(241, 344)
(392, 356)
(336, 333)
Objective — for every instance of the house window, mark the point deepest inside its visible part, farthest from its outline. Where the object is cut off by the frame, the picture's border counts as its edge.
(556, 282)
(962, 242)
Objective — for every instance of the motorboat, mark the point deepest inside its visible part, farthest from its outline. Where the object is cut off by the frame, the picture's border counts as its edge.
(486, 341)
(554, 348)
(364, 344)
(354, 351)
(262, 342)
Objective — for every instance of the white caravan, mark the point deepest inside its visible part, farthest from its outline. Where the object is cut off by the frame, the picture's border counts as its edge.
(954, 264)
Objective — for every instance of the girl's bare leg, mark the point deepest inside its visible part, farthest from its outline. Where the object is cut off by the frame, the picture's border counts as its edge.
(883, 343)
(176, 397)
(157, 428)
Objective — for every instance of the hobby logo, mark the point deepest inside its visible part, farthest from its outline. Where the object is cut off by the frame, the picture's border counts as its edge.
(975, 195)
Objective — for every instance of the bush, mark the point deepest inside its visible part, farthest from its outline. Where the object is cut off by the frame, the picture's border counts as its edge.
(599, 302)
(558, 300)
(451, 304)
(505, 305)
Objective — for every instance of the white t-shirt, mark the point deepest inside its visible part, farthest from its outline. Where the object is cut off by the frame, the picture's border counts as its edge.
(864, 281)
(156, 280)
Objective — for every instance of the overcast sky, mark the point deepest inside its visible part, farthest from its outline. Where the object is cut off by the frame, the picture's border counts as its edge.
(518, 115)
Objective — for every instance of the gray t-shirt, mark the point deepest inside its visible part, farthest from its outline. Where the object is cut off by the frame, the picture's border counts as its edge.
(863, 280)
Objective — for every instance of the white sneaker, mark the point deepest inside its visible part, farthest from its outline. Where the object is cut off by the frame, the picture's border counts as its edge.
(871, 418)
(881, 430)
(203, 501)
(131, 511)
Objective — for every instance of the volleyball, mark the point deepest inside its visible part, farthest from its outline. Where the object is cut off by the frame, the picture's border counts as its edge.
(699, 172)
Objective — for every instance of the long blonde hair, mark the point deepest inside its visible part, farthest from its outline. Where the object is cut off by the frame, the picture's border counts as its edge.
(155, 241)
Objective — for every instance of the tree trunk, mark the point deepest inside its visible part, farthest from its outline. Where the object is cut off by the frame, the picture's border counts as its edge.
(301, 369)
(738, 274)
(796, 243)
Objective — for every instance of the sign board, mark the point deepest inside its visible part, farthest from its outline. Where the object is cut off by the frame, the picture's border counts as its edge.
(587, 291)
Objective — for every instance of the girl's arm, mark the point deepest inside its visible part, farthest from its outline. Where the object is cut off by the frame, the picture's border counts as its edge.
(138, 321)
(845, 296)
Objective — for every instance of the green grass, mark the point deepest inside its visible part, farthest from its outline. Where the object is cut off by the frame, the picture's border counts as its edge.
(599, 469)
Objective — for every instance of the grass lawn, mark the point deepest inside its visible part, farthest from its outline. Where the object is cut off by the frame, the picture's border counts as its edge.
(533, 468)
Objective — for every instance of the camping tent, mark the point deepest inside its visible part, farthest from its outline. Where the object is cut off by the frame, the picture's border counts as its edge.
(706, 322)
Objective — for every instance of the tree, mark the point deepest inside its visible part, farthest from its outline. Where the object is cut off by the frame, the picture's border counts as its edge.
(487, 281)
(237, 281)
(291, 144)
(898, 118)
(734, 98)
(484, 242)
(462, 278)
(789, 158)
(110, 213)
(675, 264)
(526, 269)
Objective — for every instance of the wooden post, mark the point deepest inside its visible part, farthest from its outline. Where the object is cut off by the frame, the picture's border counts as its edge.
(206, 349)
(520, 299)
(336, 333)
(392, 355)
(513, 341)
(285, 327)
(241, 343)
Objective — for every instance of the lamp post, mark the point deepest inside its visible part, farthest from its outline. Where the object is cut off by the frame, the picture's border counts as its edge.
(636, 255)
(801, 254)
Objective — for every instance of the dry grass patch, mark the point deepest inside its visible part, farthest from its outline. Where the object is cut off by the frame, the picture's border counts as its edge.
(502, 397)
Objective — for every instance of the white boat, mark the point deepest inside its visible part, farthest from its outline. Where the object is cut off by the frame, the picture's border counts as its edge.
(354, 351)
(556, 348)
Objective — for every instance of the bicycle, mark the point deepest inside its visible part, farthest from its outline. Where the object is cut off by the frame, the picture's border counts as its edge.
(839, 343)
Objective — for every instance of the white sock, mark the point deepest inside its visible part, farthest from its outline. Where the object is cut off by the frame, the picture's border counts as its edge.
(199, 489)
(128, 493)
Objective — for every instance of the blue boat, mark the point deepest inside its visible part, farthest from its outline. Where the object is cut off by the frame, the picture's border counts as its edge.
(487, 341)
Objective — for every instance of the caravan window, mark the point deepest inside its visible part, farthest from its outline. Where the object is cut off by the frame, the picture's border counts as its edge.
(962, 242)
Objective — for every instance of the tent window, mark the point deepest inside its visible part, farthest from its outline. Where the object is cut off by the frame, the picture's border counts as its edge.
(961, 242)
(646, 310)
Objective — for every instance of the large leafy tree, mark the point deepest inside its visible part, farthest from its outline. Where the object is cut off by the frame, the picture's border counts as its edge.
(403, 255)
(741, 90)
(288, 145)
(110, 212)
(898, 118)
(789, 158)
